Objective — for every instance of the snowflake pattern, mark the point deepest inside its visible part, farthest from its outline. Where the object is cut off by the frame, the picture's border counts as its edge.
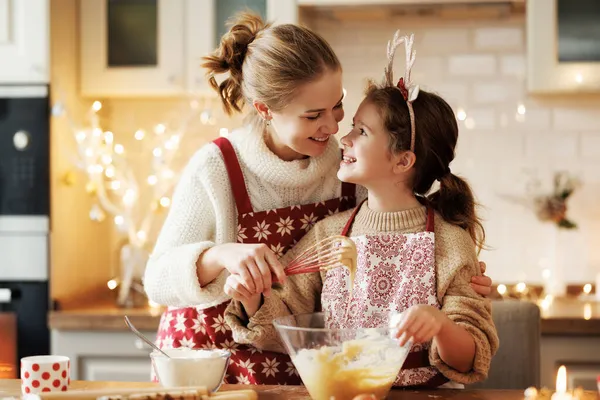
(220, 325)
(180, 322)
(241, 234)
(285, 226)
(230, 345)
(246, 365)
(308, 221)
(199, 323)
(278, 250)
(189, 343)
(262, 231)
(291, 370)
(270, 367)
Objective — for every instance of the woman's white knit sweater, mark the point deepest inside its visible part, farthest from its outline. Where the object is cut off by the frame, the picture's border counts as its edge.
(203, 212)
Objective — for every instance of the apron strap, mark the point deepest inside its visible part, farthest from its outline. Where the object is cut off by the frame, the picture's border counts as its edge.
(236, 177)
(430, 216)
(351, 219)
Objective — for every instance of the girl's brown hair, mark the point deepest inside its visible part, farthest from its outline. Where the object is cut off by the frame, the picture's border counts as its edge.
(435, 141)
(266, 63)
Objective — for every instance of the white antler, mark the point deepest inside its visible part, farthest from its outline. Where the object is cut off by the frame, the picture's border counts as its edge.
(413, 90)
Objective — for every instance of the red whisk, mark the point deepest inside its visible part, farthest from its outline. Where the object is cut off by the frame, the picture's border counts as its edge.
(333, 252)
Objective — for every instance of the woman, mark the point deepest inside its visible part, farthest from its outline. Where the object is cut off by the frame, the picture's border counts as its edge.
(244, 201)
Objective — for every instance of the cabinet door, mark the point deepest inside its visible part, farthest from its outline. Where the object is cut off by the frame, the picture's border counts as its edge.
(132, 47)
(24, 41)
(104, 355)
(119, 369)
(282, 11)
(206, 22)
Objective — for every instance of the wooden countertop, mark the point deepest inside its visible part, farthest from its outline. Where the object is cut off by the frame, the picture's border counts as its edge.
(11, 387)
(564, 316)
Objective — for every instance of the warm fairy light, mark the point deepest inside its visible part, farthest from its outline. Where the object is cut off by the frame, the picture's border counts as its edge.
(118, 189)
(546, 273)
(108, 137)
(152, 180)
(129, 197)
(106, 159)
(587, 311)
(461, 114)
(521, 109)
(501, 289)
(587, 288)
(521, 287)
(165, 202)
(141, 235)
(109, 172)
(578, 78)
(80, 136)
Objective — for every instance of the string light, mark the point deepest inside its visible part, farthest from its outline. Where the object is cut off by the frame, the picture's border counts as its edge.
(587, 288)
(113, 183)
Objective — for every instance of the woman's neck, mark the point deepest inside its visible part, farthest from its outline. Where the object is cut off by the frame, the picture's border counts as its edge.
(282, 151)
(393, 198)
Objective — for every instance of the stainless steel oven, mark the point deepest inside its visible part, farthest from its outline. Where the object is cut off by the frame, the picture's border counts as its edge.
(24, 221)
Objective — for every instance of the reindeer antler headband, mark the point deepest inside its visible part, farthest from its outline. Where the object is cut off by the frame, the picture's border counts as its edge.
(409, 90)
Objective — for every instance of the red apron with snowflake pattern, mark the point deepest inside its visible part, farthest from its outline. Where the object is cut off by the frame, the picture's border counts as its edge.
(280, 229)
(394, 272)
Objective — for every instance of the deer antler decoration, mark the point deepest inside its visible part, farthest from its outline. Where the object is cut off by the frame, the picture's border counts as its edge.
(409, 90)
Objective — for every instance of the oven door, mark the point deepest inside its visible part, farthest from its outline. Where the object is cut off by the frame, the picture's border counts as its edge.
(8, 343)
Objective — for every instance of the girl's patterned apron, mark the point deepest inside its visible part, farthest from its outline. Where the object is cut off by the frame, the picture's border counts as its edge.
(280, 229)
(394, 272)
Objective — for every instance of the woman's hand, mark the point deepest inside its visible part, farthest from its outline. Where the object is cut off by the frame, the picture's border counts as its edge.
(253, 266)
(482, 284)
(420, 322)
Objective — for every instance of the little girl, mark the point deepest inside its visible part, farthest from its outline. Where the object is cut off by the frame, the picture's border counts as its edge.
(416, 248)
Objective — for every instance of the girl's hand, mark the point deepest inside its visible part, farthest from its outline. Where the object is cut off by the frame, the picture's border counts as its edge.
(253, 266)
(421, 323)
(482, 284)
(236, 290)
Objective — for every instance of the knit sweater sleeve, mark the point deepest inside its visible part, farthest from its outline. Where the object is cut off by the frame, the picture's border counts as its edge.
(456, 262)
(300, 294)
(202, 202)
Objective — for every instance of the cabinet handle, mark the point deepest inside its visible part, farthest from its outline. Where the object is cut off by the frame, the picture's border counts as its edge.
(141, 345)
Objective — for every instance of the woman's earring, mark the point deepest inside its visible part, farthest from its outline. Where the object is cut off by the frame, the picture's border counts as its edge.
(267, 122)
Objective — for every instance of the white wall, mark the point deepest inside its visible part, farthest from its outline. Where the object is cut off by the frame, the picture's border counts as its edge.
(479, 66)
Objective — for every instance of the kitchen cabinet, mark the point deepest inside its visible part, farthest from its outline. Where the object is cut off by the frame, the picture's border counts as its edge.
(104, 355)
(24, 42)
(148, 48)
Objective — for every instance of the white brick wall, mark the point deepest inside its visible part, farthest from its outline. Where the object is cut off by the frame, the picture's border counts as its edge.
(481, 68)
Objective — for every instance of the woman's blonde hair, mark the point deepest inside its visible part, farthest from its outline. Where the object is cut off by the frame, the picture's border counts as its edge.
(266, 63)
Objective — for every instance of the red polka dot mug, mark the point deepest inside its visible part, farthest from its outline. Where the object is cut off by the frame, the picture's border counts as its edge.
(45, 374)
